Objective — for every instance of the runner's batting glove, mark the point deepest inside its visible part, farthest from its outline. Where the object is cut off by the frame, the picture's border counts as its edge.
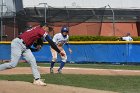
(70, 51)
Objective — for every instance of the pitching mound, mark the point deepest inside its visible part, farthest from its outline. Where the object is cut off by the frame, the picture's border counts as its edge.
(26, 87)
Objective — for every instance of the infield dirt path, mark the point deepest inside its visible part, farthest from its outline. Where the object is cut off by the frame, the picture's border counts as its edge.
(26, 87)
(69, 70)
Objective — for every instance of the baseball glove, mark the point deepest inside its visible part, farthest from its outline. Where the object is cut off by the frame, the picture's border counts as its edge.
(37, 45)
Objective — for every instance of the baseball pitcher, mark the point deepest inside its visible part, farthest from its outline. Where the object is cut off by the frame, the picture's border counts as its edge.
(21, 46)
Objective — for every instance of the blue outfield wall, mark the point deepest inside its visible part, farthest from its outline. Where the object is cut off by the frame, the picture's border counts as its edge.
(88, 52)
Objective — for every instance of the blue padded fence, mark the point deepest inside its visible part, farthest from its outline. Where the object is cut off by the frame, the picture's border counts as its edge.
(91, 52)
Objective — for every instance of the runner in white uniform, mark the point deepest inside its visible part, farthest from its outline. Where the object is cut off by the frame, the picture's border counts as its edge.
(60, 39)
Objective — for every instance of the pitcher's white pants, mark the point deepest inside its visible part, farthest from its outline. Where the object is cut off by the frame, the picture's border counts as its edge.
(18, 49)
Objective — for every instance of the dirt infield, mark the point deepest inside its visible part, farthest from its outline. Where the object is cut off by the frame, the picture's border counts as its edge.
(24, 87)
(69, 70)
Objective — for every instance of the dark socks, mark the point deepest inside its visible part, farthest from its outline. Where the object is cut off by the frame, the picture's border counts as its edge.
(62, 64)
(52, 64)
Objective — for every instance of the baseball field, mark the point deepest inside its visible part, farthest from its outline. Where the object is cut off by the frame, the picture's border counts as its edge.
(76, 78)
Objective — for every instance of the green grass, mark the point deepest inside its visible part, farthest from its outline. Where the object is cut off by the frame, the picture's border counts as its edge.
(121, 84)
(98, 66)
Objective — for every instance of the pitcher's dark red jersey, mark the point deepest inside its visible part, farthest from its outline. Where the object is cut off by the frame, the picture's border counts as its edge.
(33, 34)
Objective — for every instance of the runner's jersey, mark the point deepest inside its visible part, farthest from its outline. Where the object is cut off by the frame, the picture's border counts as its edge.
(59, 39)
(32, 34)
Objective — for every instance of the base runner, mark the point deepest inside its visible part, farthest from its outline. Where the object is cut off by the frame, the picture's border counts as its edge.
(60, 39)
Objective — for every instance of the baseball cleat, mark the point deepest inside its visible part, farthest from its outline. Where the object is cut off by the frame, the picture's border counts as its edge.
(39, 82)
(51, 70)
(60, 71)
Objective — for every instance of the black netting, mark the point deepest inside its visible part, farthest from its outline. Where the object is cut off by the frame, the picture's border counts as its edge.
(68, 16)
(72, 16)
(59, 16)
